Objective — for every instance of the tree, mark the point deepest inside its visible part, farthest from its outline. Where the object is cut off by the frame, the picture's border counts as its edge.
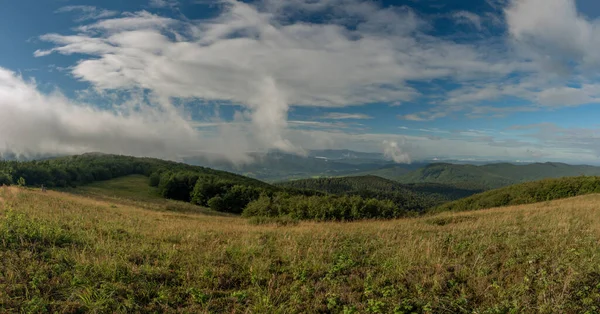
(21, 181)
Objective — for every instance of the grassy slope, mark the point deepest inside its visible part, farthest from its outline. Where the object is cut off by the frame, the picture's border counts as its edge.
(494, 175)
(133, 190)
(67, 253)
(130, 187)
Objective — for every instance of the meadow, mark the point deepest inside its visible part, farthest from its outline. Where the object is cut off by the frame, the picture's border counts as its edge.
(107, 249)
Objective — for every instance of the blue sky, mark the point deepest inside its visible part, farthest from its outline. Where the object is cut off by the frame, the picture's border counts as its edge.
(476, 79)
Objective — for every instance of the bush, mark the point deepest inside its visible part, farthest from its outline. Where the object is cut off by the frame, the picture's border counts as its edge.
(5, 179)
(322, 208)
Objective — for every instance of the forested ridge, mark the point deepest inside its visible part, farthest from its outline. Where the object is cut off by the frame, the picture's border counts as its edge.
(527, 193)
(493, 176)
(416, 197)
(219, 190)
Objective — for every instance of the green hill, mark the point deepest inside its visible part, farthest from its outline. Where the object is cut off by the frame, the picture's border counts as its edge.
(420, 196)
(527, 193)
(220, 191)
(493, 176)
(93, 167)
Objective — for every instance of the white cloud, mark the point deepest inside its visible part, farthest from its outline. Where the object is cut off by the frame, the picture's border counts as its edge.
(553, 31)
(392, 150)
(257, 57)
(270, 55)
(35, 123)
(87, 12)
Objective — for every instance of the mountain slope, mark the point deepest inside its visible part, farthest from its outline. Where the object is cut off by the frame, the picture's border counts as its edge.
(493, 175)
(392, 171)
(421, 196)
(92, 167)
(527, 193)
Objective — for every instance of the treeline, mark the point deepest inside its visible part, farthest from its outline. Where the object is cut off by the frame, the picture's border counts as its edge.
(323, 208)
(527, 193)
(82, 169)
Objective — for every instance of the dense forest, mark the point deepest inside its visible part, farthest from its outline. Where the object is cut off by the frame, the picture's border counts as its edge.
(527, 193)
(219, 190)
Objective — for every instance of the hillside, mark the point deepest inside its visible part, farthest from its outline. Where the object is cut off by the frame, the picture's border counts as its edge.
(527, 193)
(391, 172)
(428, 194)
(493, 176)
(67, 253)
(92, 167)
(218, 190)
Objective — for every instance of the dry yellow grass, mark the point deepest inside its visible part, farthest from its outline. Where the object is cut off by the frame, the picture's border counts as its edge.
(122, 258)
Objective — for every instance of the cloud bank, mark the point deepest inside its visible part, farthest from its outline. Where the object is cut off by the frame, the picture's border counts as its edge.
(266, 58)
(271, 56)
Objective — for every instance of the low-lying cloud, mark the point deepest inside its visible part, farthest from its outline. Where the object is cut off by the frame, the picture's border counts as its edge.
(34, 123)
(392, 150)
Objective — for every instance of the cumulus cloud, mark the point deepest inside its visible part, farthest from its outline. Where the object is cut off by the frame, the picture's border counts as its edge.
(553, 30)
(557, 50)
(269, 56)
(265, 57)
(392, 150)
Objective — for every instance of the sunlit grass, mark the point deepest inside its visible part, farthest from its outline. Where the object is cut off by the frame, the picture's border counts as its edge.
(68, 253)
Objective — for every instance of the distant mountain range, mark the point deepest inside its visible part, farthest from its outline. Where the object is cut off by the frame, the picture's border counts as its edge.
(278, 166)
(470, 174)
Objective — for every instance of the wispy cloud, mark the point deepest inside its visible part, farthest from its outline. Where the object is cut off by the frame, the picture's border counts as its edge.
(163, 3)
(466, 17)
(87, 12)
(346, 116)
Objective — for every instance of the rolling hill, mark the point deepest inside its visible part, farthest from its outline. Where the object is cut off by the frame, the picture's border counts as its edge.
(421, 196)
(218, 190)
(493, 176)
(527, 193)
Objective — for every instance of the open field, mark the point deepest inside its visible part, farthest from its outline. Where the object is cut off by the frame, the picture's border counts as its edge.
(70, 253)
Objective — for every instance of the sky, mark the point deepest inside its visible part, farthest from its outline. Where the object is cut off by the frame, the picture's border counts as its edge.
(512, 80)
